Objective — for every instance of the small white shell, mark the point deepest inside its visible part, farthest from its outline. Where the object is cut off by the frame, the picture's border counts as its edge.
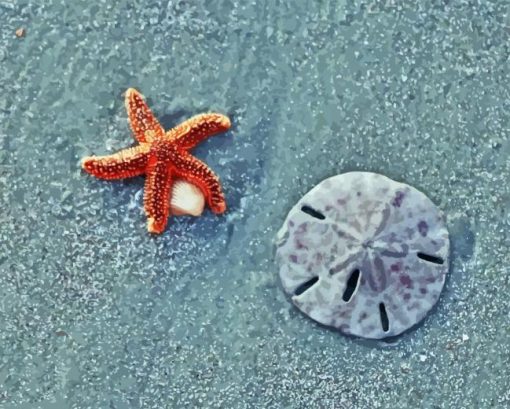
(186, 199)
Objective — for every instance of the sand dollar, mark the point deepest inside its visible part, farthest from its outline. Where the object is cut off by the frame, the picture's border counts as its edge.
(364, 254)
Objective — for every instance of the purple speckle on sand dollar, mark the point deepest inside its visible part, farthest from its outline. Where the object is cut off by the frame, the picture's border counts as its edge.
(423, 227)
(364, 254)
(399, 197)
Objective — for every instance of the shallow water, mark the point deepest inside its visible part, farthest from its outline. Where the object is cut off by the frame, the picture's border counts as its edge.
(96, 313)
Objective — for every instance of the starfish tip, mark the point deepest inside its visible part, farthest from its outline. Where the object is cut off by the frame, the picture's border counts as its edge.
(220, 208)
(225, 122)
(130, 91)
(154, 227)
(86, 163)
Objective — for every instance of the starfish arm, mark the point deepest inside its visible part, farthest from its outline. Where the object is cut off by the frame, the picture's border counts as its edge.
(156, 198)
(123, 164)
(144, 124)
(196, 129)
(198, 173)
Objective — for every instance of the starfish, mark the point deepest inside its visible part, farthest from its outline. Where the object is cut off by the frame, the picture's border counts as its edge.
(163, 158)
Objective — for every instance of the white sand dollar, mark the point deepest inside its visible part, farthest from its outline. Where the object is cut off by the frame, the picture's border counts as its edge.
(364, 254)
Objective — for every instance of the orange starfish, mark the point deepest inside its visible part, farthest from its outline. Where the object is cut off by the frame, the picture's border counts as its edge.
(163, 157)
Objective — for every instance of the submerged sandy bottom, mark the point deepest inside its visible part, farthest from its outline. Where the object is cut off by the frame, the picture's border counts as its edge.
(95, 313)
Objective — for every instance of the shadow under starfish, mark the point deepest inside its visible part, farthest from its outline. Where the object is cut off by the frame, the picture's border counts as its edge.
(163, 158)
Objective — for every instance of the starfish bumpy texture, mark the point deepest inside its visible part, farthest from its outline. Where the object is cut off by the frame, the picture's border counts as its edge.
(163, 158)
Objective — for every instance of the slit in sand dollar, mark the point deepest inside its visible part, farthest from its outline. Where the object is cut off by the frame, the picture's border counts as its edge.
(364, 254)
